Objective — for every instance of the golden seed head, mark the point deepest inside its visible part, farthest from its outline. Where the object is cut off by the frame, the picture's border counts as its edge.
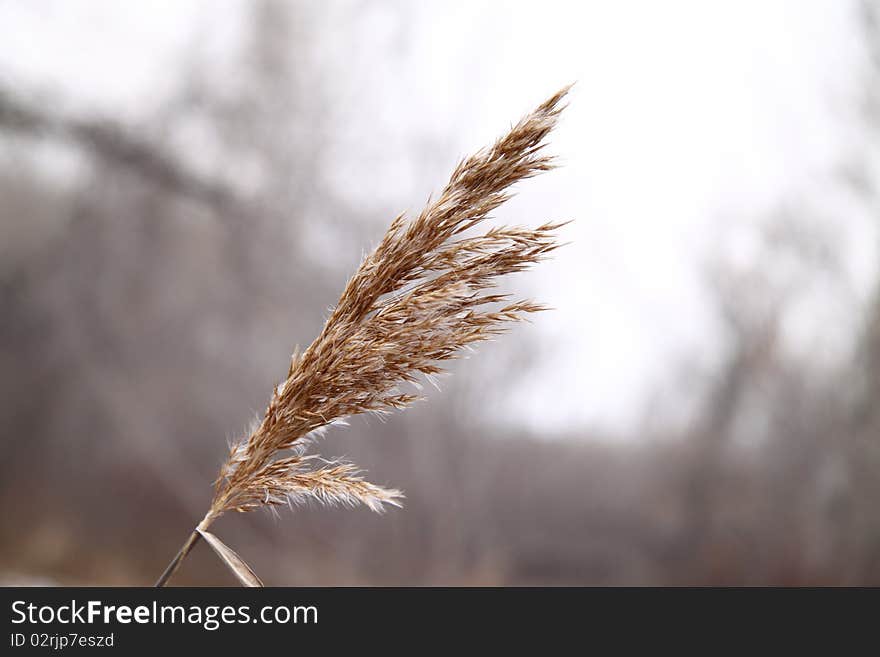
(424, 294)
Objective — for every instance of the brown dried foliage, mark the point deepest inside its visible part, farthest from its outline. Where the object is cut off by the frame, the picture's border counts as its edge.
(421, 297)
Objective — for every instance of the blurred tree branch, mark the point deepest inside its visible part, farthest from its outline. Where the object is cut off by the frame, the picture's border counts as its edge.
(114, 144)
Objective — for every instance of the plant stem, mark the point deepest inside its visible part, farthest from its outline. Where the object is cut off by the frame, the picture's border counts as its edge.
(181, 555)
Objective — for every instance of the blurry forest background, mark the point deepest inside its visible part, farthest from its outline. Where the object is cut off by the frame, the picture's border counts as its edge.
(159, 263)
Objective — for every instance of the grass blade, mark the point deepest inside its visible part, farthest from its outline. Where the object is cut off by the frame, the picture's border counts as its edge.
(236, 564)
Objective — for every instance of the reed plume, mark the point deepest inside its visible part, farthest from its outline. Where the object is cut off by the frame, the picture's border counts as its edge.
(421, 297)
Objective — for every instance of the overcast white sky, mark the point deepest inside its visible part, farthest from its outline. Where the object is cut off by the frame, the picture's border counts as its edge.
(690, 120)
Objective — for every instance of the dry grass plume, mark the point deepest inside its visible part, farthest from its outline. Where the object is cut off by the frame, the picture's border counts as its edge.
(421, 297)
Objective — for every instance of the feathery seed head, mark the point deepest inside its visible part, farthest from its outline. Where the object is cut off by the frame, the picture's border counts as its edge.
(420, 298)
